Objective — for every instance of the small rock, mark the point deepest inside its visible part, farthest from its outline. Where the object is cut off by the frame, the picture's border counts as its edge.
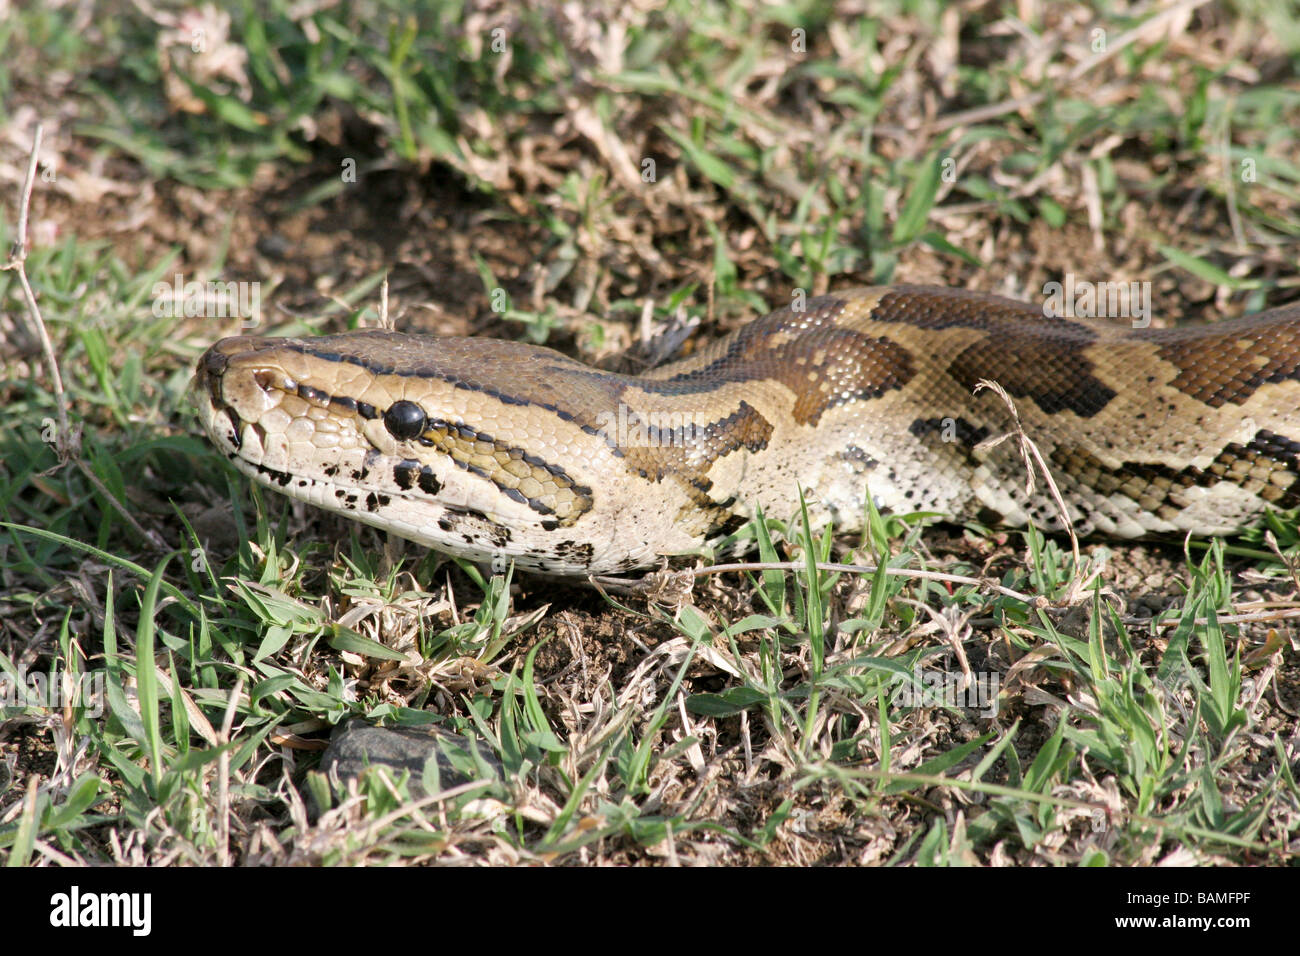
(356, 745)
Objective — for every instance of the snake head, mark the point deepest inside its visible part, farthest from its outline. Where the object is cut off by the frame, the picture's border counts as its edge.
(412, 434)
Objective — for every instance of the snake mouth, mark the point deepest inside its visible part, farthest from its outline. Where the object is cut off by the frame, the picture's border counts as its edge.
(236, 426)
(219, 418)
(225, 425)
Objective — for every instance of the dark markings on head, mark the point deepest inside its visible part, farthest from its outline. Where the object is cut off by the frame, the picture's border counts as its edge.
(208, 372)
(236, 434)
(726, 524)
(313, 395)
(510, 372)
(544, 487)
(405, 472)
(428, 481)
(409, 473)
(281, 478)
(213, 362)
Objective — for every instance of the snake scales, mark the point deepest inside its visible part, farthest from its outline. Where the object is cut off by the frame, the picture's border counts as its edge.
(493, 449)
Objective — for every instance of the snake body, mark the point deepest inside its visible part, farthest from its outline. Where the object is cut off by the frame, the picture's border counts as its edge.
(492, 449)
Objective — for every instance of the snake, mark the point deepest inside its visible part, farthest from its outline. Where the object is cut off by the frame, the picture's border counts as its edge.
(495, 450)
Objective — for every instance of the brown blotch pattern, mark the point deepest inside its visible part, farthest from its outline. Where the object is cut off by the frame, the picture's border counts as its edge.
(690, 457)
(1030, 355)
(1217, 365)
(822, 364)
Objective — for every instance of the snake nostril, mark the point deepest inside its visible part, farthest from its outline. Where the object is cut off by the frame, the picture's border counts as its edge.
(267, 379)
(405, 420)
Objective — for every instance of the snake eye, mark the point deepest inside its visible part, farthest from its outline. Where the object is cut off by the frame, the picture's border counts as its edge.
(404, 420)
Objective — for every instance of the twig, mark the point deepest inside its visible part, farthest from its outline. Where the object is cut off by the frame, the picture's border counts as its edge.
(385, 322)
(19, 251)
(1254, 618)
(1271, 540)
(67, 439)
(66, 444)
(1030, 455)
(1028, 450)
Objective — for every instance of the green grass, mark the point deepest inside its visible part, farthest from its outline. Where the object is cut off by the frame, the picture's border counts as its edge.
(770, 716)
